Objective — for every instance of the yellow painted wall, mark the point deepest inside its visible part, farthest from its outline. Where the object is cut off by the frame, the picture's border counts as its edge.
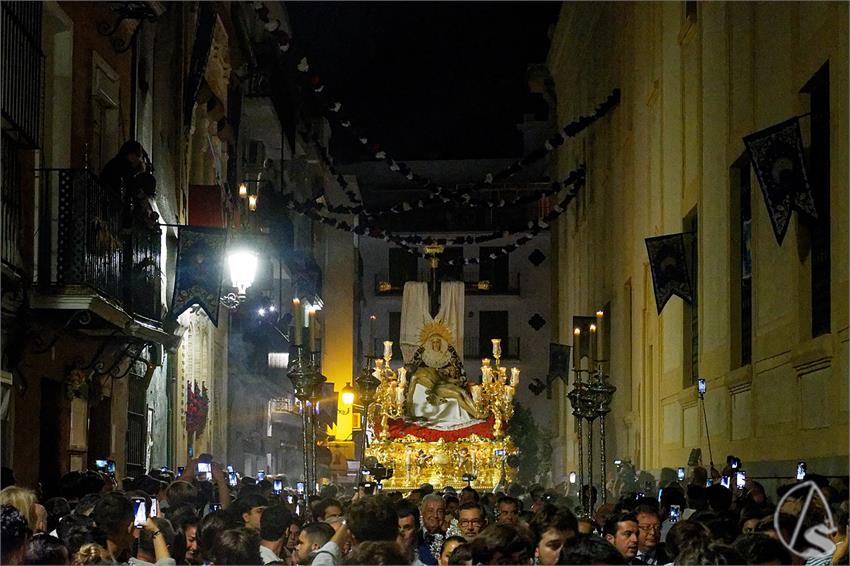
(337, 256)
(691, 89)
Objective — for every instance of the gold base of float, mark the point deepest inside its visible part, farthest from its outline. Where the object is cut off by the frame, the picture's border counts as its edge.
(442, 463)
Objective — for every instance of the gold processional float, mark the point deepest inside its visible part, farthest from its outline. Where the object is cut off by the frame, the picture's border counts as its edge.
(429, 425)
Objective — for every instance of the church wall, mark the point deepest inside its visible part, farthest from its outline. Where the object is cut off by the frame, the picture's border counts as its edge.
(691, 88)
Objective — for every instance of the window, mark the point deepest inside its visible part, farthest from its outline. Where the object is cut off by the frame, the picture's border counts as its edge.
(741, 283)
(818, 231)
(494, 271)
(446, 272)
(106, 99)
(690, 330)
(493, 324)
(394, 333)
(403, 267)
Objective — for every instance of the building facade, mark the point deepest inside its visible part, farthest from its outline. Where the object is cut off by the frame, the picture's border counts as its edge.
(768, 328)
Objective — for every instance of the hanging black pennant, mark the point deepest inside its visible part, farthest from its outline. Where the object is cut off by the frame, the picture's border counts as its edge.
(559, 363)
(777, 157)
(670, 274)
(200, 267)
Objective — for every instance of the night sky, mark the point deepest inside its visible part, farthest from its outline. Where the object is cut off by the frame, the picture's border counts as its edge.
(427, 80)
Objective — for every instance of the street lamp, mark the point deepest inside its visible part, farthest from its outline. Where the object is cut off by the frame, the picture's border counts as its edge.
(348, 395)
(243, 269)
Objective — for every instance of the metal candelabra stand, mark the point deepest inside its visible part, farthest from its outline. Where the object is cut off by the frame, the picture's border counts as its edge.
(366, 384)
(591, 399)
(304, 371)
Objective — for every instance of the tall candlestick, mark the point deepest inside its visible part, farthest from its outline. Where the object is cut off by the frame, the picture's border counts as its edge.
(592, 353)
(298, 314)
(600, 337)
(576, 349)
(312, 324)
(372, 335)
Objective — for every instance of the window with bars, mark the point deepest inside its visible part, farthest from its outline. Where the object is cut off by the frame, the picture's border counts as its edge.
(690, 330)
(740, 245)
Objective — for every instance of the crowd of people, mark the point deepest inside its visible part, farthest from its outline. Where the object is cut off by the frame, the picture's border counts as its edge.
(204, 519)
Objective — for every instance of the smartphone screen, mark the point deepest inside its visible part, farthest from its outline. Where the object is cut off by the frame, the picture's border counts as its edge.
(701, 386)
(154, 507)
(675, 513)
(572, 477)
(204, 470)
(261, 476)
(380, 486)
(277, 486)
(229, 468)
(299, 487)
(660, 491)
(110, 467)
(740, 479)
(140, 513)
(215, 507)
(101, 465)
(801, 471)
(680, 473)
(231, 479)
(724, 481)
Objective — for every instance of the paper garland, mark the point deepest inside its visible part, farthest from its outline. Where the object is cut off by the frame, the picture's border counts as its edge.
(438, 194)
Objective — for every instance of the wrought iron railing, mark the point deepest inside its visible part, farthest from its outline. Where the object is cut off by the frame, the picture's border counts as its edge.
(10, 206)
(478, 347)
(501, 284)
(23, 66)
(98, 245)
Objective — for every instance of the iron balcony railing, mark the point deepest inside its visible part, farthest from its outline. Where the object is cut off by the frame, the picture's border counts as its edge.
(11, 222)
(93, 242)
(498, 284)
(478, 347)
(23, 71)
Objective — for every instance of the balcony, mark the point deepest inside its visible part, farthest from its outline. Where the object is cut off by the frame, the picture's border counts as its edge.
(92, 244)
(507, 284)
(478, 347)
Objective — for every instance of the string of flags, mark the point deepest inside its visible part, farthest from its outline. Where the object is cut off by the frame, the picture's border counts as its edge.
(437, 193)
(573, 182)
(326, 158)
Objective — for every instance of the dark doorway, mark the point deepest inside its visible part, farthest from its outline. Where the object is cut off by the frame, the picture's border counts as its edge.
(50, 442)
(492, 324)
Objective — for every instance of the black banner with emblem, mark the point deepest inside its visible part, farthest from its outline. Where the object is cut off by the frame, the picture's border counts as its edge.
(200, 267)
(669, 265)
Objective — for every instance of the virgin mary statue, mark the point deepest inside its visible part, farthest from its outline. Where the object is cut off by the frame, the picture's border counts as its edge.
(437, 396)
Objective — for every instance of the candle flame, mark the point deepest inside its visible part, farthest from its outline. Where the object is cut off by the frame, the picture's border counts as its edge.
(599, 314)
(577, 331)
(593, 328)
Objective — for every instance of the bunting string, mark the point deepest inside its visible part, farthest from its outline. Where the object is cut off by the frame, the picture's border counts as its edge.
(437, 193)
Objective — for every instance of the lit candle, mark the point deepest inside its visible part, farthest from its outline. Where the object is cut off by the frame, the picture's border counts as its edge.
(600, 346)
(243, 190)
(372, 335)
(592, 353)
(312, 324)
(497, 347)
(514, 376)
(252, 202)
(576, 348)
(388, 349)
(298, 314)
(485, 362)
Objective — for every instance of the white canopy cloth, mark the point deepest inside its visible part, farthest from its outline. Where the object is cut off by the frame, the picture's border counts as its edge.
(416, 311)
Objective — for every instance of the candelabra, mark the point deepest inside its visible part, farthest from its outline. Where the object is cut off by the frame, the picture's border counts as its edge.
(390, 393)
(496, 392)
(307, 379)
(590, 400)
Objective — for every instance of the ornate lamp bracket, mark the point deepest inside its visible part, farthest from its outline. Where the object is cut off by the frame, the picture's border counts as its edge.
(138, 12)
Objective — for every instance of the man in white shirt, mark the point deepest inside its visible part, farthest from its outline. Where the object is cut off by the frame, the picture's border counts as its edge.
(274, 530)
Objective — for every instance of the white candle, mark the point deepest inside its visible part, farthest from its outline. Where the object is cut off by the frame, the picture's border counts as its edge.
(592, 354)
(402, 377)
(600, 347)
(514, 376)
(388, 349)
(497, 347)
(400, 394)
(476, 393)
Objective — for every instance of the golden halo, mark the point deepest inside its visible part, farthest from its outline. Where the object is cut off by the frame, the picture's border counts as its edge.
(435, 328)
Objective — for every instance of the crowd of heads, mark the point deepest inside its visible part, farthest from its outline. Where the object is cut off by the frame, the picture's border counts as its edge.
(209, 520)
